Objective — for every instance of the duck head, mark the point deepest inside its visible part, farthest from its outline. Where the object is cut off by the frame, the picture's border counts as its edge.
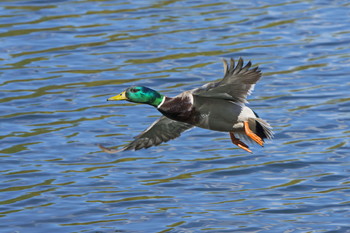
(140, 94)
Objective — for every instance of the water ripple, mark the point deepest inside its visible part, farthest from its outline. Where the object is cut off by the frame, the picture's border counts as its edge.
(60, 60)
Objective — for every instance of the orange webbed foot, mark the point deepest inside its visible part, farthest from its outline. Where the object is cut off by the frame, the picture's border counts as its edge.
(239, 143)
(252, 135)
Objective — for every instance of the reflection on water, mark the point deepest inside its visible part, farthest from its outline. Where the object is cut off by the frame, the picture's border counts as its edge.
(61, 59)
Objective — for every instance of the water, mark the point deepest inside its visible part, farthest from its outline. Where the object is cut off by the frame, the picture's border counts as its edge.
(60, 60)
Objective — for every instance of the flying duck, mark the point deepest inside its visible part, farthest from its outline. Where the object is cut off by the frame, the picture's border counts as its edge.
(217, 105)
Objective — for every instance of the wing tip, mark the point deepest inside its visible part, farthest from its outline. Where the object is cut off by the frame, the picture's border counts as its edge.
(233, 68)
(225, 66)
(109, 150)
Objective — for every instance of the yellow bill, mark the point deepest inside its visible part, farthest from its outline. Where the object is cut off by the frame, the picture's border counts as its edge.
(121, 96)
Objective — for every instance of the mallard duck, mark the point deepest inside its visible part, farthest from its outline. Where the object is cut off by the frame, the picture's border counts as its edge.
(217, 105)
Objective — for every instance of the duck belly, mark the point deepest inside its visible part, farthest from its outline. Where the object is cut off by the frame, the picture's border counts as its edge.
(222, 115)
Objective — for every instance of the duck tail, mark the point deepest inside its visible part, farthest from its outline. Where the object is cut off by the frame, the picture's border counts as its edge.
(263, 129)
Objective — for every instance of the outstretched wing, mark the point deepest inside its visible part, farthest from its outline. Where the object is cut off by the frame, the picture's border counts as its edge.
(237, 84)
(162, 130)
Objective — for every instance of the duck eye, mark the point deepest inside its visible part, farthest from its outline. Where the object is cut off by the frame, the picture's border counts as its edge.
(133, 90)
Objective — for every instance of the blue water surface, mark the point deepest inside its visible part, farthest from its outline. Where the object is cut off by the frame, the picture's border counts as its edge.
(60, 60)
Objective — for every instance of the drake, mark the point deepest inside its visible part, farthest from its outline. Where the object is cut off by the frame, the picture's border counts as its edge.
(218, 105)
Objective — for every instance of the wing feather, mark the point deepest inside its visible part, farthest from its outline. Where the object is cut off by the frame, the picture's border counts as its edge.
(162, 130)
(237, 84)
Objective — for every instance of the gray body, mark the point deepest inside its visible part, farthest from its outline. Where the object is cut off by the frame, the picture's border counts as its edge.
(221, 115)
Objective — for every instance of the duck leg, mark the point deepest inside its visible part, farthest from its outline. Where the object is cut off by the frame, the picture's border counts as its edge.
(239, 143)
(252, 135)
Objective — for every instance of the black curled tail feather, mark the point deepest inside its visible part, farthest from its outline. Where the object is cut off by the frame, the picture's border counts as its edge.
(263, 129)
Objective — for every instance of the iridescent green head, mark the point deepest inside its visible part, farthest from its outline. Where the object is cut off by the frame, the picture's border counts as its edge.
(140, 94)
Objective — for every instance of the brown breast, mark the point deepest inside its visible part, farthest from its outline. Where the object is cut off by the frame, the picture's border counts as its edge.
(180, 108)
